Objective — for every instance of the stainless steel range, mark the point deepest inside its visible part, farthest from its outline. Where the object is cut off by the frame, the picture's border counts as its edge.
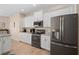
(36, 37)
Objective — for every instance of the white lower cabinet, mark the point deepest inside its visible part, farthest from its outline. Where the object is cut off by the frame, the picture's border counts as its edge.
(5, 44)
(23, 37)
(45, 42)
(0, 46)
(29, 38)
(26, 37)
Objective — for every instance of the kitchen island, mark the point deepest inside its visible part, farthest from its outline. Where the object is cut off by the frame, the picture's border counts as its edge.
(5, 43)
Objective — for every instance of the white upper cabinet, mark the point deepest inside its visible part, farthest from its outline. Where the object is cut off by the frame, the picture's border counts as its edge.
(38, 15)
(28, 21)
(24, 22)
(47, 20)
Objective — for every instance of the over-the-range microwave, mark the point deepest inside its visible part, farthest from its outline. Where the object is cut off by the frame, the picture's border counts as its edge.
(38, 23)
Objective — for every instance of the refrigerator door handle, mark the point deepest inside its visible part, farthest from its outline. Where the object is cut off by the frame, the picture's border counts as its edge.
(64, 45)
(60, 28)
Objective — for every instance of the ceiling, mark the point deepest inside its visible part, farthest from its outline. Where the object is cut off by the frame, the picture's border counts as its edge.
(11, 9)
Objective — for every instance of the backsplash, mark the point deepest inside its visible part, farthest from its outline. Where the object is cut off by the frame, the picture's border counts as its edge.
(29, 30)
(48, 31)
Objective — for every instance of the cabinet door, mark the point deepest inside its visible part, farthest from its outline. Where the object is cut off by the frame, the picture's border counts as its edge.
(47, 22)
(45, 42)
(29, 38)
(23, 37)
(28, 21)
(24, 22)
(6, 44)
(1, 46)
(38, 15)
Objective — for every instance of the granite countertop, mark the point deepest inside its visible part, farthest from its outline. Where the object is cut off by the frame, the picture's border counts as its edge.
(4, 35)
(26, 32)
(45, 34)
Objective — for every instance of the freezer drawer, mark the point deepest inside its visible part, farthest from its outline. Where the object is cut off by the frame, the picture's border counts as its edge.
(59, 49)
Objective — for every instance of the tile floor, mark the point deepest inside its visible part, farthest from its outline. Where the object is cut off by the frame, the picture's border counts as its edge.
(20, 48)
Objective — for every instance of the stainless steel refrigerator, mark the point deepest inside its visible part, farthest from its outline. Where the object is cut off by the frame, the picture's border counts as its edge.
(64, 34)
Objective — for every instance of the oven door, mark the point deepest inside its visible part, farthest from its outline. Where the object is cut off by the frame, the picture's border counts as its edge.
(36, 41)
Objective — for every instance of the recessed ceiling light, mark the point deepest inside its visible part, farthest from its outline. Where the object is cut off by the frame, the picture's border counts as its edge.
(22, 9)
(34, 5)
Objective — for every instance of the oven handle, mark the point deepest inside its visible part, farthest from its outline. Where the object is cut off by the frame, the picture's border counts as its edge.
(59, 44)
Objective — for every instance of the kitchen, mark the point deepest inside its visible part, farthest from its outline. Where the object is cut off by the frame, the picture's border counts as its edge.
(37, 30)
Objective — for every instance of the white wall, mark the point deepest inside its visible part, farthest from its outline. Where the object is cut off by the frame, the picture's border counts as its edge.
(69, 9)
(15, 30)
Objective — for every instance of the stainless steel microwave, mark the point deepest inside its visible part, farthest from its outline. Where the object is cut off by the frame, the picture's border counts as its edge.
(38, 24)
